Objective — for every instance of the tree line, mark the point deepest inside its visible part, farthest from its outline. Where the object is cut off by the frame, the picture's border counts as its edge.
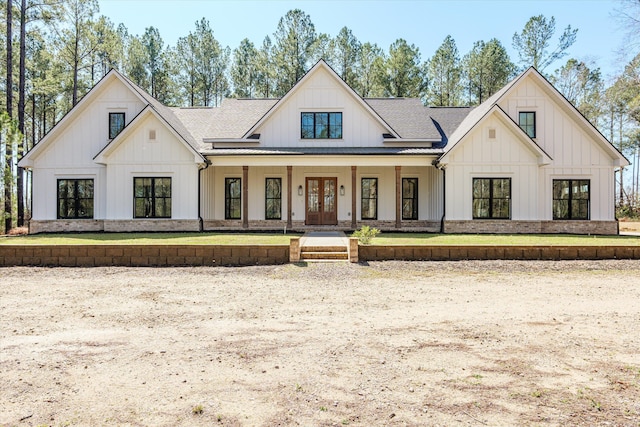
(56, 50)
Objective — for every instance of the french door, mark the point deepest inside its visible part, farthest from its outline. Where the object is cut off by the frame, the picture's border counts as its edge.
(321, 202)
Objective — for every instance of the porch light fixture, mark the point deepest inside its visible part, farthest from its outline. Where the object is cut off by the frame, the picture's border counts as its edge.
(342, 190)
(299, 190)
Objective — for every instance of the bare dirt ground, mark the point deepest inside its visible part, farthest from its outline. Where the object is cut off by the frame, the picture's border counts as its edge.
(389, 343)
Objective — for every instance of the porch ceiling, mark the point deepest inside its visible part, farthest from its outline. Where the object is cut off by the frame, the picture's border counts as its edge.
(362, 156)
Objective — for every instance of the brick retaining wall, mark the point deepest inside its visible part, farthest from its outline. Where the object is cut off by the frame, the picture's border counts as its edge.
(227, 255)
(456, 253)
(141, 255)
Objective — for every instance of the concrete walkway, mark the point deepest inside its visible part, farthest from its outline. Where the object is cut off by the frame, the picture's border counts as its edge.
(324, 238)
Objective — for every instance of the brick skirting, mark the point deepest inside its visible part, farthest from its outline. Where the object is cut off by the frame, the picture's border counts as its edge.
(227, 255)
(121, 226)
(139, 255)
(531, 227)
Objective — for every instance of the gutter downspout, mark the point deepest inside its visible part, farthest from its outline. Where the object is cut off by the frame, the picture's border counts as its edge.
(444, 194)
(200, 220)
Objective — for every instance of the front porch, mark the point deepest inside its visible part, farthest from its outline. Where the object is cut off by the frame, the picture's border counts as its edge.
(307, 197)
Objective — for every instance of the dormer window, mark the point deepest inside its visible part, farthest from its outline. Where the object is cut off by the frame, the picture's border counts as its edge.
(527, 122)
(116, 124)
(321, 126)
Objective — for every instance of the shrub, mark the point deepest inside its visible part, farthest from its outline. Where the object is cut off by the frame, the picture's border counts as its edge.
(365, 234)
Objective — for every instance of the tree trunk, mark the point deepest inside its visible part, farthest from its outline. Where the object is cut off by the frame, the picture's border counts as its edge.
(8, 172)
(21, 102)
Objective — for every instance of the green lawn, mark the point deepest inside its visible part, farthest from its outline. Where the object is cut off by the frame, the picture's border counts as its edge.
(503, 239)
(150, 239)
(283, 239)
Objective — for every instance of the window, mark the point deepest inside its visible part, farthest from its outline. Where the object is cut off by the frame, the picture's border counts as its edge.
(273, 198)
(491, 198)
(152, 197)
(75, 198)
(409, 198)
(571, 198)
(321, 126)
(116, 124)
(527, 121)
(369, 198)
(232, 200)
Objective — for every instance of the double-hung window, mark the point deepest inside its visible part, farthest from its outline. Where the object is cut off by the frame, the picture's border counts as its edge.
(369, 197)
(409, 198)
(491, 198)
(273, 198)
(232, 198)
(571, 198)
(152, 197)
(321, 125)
(116, 124)
(75, 198)
(527, 122)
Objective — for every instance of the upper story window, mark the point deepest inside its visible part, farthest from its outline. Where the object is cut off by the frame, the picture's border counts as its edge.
(321, 126)
(116, 124)
(527, 121)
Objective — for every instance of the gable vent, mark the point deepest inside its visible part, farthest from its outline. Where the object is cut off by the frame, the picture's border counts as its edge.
(492, 133)
(152, 135)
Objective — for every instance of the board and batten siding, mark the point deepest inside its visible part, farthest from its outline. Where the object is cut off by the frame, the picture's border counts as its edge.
(321, 93)
(575, 155)
(506, 156)
(76, 144)
(137, 156)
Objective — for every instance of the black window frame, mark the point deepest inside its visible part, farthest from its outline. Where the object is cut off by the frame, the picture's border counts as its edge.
(369, 198)
(229, 210)
(571, 199)
(268, 197)
(152, 206)
(113, 131)
(75, 199)
(311, 130)
(526, 125)
(412, 198)
(491, 199)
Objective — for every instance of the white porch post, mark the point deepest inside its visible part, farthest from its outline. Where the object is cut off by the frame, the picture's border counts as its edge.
(245, 196)
(398, 196)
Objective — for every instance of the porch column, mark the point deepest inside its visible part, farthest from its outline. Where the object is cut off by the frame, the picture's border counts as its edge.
(398, 196)
(289, 169)
(353, 197)
(245, 197)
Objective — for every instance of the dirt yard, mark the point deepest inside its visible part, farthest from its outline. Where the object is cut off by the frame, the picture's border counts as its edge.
(390, 343)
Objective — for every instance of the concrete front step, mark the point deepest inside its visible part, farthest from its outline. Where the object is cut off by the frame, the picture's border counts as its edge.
(305, 255)
(323, 249)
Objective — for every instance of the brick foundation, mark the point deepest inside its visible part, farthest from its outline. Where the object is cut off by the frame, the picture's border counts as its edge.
(300, 226)
(97, 225)
(65, 226)
(532, 227)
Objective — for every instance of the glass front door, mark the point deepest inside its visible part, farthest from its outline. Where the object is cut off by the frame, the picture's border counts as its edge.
(321, 202)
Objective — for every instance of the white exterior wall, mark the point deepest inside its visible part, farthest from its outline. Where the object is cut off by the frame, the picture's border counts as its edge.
(575, 155)
(321, 93)
(506, 156)
(136, 156)
(77, 142)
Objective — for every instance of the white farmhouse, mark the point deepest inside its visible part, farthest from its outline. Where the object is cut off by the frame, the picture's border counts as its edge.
(322, 157)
